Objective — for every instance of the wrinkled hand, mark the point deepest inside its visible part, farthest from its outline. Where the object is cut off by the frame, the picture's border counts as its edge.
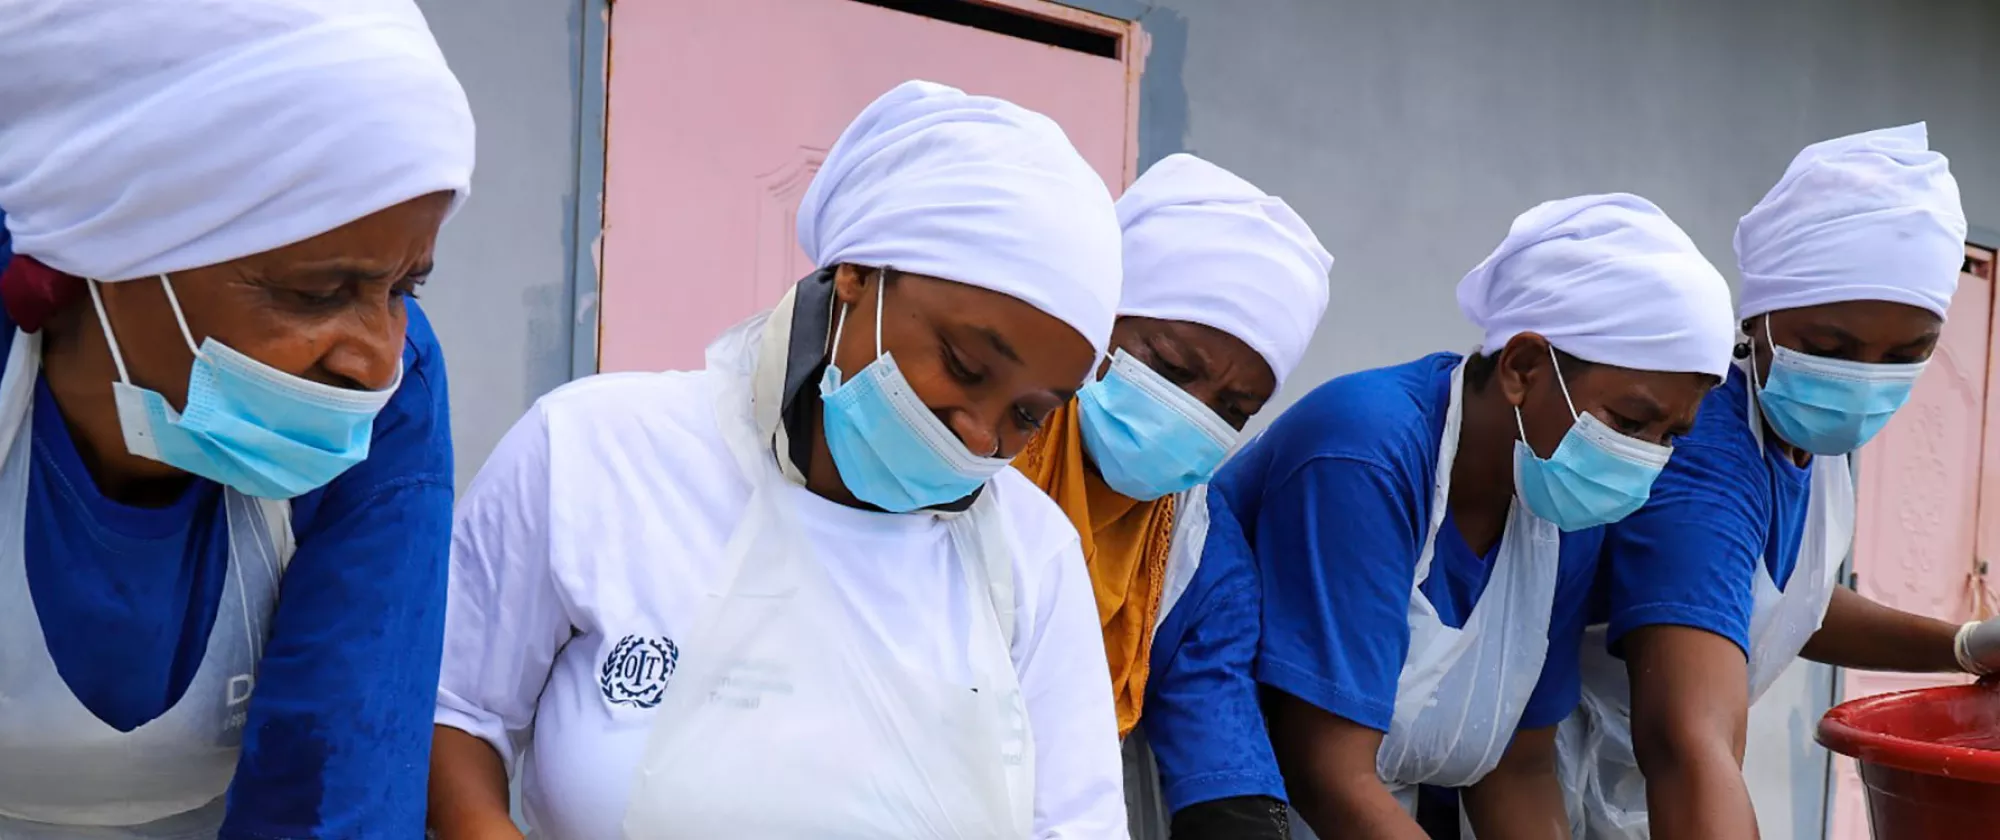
(1978, 647)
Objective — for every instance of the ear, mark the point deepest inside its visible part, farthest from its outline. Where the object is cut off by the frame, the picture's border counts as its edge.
(1522, 362)
(848, 282)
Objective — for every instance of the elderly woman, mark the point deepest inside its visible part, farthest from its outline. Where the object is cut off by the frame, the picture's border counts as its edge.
(216, 383)
(1224, 286)
(1849, 265)
(798, 593)
(1426, 534)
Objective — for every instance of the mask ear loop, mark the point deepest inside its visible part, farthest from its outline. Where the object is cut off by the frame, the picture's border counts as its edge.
(110, 338)
(840, 322)
(1557, 365)
(1768, 342)
(180, 319)
(881, 291)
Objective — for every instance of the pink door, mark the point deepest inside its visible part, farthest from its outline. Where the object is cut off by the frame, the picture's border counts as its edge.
(721, 110)
(1923, 484)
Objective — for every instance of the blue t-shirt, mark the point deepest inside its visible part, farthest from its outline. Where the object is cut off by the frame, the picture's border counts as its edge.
(337, 739)
(1688, 557)
(1202, 714)
(1334, 500)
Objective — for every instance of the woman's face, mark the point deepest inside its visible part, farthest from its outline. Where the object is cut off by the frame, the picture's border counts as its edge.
(1652, 406)
(992, 367)
(1866, 331)
(1213, 366)
(328, 309)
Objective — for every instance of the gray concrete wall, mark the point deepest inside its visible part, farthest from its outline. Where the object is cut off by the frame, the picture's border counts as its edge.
(1410, 133)
(501, 296)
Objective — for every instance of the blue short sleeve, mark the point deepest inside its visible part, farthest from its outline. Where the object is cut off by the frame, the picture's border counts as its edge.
(339, 731)
(1335, 548)
(1688, 556)
(1203, 716)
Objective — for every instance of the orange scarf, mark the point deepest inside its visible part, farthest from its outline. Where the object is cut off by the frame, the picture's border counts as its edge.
(1125, 546)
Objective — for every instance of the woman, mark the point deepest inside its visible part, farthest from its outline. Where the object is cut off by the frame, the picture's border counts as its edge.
(1848, 265)
(215, 380)
(1425, 534)
(1224, 285)
(797, 593)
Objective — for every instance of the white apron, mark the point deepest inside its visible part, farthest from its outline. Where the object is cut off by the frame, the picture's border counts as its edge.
(67, 774)
(1462, 690)
(1594, 747)
(1145, 800)
(779, 724)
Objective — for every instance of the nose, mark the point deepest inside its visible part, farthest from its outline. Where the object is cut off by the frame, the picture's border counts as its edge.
(369, 354)
(979, 437)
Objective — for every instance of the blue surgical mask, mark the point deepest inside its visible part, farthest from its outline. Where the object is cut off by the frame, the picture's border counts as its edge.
(1148, 437)
(892, 450)
(1596, 476)
(1830, 406)
(247, 425)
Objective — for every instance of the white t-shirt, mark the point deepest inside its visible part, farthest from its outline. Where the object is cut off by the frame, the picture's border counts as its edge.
(575, 583)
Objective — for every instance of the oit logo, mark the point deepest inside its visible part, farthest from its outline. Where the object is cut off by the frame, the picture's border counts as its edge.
(636, 670)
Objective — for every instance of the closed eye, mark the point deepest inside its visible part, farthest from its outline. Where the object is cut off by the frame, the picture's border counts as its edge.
(1626, 425)
(1026, 421)
(956, 366)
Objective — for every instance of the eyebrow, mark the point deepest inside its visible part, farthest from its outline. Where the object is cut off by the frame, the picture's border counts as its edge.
(1000, 344)
(1641, 408)
(348, 270)
(1191, 356)
(1829, 331)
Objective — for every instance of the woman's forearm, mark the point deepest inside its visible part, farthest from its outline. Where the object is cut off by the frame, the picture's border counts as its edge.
(1860, 633)
(1521, 799)
(1329, 768)
(468, 797)
(1361, 808)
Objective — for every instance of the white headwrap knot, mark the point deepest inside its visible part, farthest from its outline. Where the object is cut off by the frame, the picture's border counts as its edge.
(971, 189)
(142, 137)
(1205, 246)
(1607, 279)
(1871, 216)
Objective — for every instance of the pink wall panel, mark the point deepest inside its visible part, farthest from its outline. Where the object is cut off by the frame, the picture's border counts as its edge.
(1920, 500)
(720, 113)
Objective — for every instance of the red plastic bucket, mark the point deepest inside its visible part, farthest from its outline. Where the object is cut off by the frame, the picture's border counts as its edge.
(1930, 760)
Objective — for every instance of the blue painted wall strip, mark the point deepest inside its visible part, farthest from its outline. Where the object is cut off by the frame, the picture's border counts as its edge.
(590, 28)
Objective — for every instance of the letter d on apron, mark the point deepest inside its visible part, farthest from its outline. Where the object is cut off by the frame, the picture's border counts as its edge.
(66, 775)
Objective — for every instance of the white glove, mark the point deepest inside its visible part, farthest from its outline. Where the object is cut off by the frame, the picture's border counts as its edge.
(1978, 647)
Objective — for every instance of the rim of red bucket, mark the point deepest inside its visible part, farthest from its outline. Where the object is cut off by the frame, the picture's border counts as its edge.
(1838, 734)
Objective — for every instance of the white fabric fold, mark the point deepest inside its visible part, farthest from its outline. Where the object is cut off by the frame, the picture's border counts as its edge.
(144, 137)
(972, 189)
(1607, 279)
(1205, 246)
(1870, 216)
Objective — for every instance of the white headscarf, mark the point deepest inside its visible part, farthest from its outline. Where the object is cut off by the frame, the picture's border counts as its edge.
(971, 189)
(140, 137)
(1207, 247)
(1872, 216)
(1607, 279)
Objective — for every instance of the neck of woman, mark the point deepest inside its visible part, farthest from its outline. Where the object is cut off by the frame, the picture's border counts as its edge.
(76, 363)
(1482, 475)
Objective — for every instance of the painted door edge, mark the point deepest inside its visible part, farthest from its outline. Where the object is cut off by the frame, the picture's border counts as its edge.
(591, 68)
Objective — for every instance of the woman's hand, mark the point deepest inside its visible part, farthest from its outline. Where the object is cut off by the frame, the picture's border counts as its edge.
(1977, 647)
(1521, 799)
